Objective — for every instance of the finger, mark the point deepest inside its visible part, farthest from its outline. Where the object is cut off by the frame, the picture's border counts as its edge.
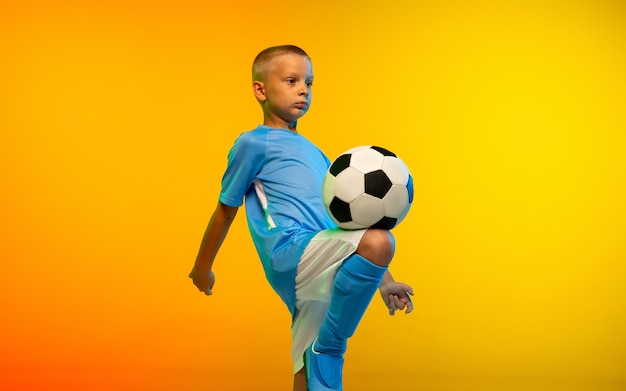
(392, 305)
(399, 303)
(410, 305)
(408, 295)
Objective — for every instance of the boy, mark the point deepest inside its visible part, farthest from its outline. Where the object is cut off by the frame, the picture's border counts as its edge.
(326, 276)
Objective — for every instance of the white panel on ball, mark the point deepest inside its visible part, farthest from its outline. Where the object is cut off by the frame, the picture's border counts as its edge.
(349, 184)
(328, 188)
(395, 201)
(367, 160)
(367, 210)
(396, 170)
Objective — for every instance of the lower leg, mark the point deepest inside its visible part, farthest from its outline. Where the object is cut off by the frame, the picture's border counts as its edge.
(299, 381)
(355, 284)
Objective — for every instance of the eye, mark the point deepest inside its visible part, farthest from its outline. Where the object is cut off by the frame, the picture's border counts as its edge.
(309, 84)
(291, 80)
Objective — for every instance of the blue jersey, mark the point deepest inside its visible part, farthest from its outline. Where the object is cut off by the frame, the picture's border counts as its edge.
(279, 174)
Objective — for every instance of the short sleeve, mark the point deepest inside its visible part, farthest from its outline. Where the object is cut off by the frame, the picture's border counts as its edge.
(245, 160)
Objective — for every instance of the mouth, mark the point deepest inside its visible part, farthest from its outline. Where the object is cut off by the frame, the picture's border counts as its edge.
(302, 105)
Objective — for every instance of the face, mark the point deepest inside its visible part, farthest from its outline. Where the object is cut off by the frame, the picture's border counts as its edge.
(285, 94)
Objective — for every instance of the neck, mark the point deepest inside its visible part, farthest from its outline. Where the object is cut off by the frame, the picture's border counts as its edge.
(279, 124)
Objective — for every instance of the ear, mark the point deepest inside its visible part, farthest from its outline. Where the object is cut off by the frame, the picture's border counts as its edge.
(258, 87)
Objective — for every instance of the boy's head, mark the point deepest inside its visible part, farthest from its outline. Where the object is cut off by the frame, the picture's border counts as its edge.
(260, 64)
(281, 80)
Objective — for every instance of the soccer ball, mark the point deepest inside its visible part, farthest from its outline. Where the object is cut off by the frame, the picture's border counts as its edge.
(367, 187)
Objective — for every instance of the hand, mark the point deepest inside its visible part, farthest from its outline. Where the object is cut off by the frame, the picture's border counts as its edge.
(203, 280)
(397, 296)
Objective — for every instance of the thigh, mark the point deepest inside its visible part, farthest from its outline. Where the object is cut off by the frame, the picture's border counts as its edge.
(320, 261)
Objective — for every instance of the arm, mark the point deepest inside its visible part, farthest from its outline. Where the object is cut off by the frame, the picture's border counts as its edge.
(214, 235)
(396, 295)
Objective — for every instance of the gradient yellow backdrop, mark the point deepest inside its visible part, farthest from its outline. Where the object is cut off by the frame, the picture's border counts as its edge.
(115, 121)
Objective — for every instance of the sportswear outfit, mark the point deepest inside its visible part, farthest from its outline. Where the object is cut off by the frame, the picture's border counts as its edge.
(279, 174)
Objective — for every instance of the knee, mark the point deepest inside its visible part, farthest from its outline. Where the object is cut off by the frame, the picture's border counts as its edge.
(377, 246)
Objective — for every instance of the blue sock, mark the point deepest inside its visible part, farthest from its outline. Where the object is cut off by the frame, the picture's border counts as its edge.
(355, 284)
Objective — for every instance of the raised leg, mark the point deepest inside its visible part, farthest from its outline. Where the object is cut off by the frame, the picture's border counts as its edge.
(356, 282)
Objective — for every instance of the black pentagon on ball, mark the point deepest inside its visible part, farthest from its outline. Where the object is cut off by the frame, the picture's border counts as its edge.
(340, 210)
(385, 223)
(340, 164)
(377, 183)
(383, 151)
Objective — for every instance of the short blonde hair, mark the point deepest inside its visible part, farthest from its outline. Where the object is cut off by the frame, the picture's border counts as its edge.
(259, 64)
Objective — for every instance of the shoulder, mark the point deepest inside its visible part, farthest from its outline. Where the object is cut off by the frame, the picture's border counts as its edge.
(251, 135)
(249, 149)
(250, 140)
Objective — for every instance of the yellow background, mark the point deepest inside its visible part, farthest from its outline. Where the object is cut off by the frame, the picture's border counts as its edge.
(116, 118)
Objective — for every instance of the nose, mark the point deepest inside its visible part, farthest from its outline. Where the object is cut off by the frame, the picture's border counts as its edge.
(305, 90)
